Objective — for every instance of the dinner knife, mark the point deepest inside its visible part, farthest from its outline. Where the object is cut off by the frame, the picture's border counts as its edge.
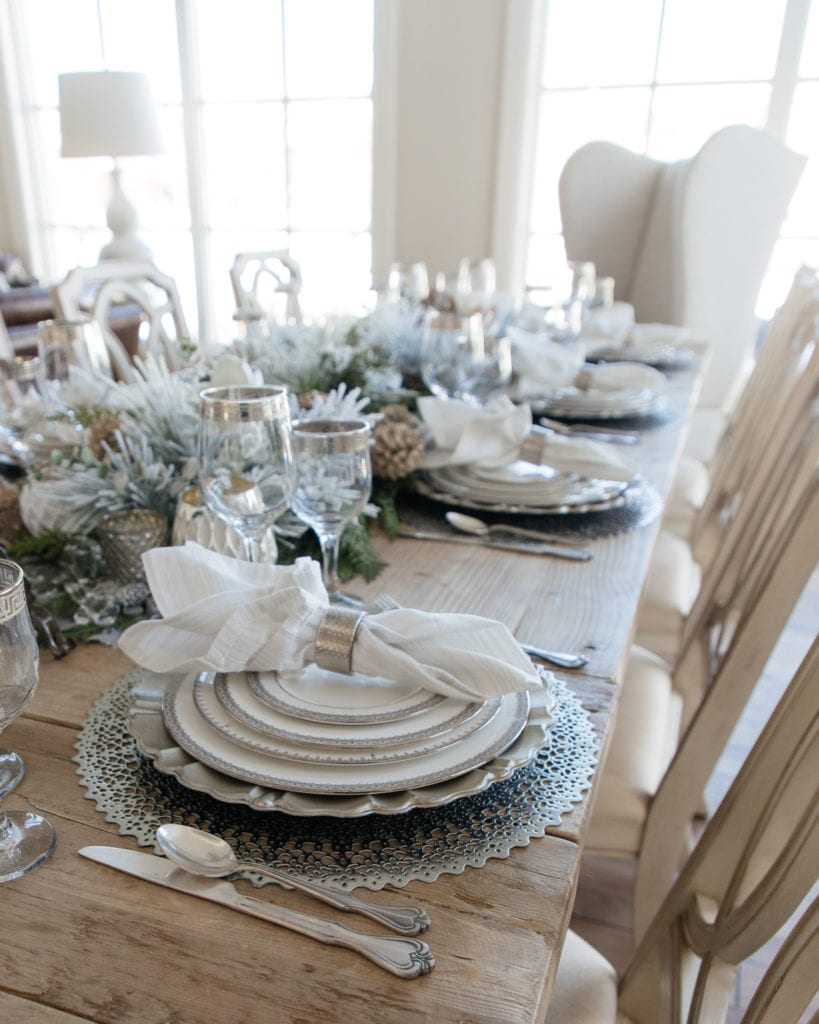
(573, 554)
(404, 957)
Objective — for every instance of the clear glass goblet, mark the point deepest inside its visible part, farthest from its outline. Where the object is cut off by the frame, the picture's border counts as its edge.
(332, 482)
(452, 347)
(245, 459)
(62, 344)
(26, 839)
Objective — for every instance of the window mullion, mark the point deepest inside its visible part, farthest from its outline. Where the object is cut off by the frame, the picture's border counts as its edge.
(192, 109)
(787, 66)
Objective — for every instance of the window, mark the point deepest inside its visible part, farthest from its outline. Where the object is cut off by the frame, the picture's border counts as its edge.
(266, 109)
(660, 77)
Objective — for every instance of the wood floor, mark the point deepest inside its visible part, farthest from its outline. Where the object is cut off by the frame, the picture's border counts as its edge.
(603, 909)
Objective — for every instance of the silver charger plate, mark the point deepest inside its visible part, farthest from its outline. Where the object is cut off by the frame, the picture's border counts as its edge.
(465, 498)
(238, 700)
(318, 695)
(341, 753)
(147, 727)
(509, 483)
(199, 738)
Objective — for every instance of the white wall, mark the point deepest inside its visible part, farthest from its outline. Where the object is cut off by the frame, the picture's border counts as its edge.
(447, 103)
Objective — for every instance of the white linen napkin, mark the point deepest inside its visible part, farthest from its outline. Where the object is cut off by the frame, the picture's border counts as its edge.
(617, 376)
(539, 362)
(225, 615)
(578, 455)
(465, 433)
(612, 323)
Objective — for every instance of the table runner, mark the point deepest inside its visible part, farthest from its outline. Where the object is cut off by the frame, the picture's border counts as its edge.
(373, 851)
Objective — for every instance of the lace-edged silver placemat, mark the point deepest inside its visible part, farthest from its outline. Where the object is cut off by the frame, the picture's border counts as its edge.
(374, 851)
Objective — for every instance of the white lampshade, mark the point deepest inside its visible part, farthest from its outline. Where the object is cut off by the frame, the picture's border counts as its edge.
(108, 113)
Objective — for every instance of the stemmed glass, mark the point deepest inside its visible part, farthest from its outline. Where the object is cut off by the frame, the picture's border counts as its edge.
(451, 346)
(26, 839)
(332, 482)
(62, 344)
(245, 459)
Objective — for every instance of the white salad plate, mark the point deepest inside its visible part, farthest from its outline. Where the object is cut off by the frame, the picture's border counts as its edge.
(322, 696)
(598, 404)
(240, 702)
(209, 706)
(191, 730)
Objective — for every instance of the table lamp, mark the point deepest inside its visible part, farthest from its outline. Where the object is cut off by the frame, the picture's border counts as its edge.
(111, 113)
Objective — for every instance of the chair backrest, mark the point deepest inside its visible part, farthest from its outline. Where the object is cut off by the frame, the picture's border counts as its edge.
(745, 448)
(6, 346)
(725, 653)
(696, 234)
(754, 865)
(261, 280)
(116, 286)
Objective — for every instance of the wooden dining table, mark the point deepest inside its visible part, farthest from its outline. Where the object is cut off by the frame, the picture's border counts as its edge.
(81, 942)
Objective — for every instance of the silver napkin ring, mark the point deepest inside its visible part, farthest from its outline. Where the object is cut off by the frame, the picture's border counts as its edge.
(335, 638)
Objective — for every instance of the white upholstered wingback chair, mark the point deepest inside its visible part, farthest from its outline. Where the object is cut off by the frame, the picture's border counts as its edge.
(687, 242)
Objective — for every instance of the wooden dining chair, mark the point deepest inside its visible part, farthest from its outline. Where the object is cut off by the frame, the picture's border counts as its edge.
(261, 279)
(671, 726)
(753, 866)
(117, 290)
(744, 468)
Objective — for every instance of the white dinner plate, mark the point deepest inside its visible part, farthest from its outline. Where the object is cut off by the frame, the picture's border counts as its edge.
(240, 702)
(602, 404)
(322, 696)
(209, 706)
(200, 739)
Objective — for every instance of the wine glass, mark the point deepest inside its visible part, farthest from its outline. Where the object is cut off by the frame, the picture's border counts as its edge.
(26, 839)
(21, 402)
(62, 344)
(245, 459)
(451, 347)
(332, 482)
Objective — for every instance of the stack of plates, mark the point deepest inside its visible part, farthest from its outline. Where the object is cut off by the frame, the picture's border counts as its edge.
(598, 404)
(662, 355)
(323, 743)
(522, 487)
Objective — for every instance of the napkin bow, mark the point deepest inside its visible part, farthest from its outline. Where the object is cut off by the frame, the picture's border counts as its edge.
(465, 433)
(225, 615)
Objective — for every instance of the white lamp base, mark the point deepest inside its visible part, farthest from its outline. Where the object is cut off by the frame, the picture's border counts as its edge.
(122, 219)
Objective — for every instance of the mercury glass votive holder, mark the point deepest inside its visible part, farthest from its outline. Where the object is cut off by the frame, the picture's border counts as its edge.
(126, 536)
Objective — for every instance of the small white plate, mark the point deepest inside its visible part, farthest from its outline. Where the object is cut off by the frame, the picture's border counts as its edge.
(321, 696)
(241, 703)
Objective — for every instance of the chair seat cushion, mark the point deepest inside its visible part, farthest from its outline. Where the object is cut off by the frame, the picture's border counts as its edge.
(670, 588)
(686, 498)
(585, 988)
(642, 744)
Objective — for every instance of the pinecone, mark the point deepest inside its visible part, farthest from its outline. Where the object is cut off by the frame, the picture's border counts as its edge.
(398, 449)
(307, 398)
(103, 428)
(396, 414)
(11, 525)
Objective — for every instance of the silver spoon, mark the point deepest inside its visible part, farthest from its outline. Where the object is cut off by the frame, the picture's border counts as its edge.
(201, 853)
(473, 525)
(559, 658)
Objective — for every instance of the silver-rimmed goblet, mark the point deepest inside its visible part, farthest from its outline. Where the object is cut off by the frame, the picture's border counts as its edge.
(26, 839)
(245, 458)
(332, 482)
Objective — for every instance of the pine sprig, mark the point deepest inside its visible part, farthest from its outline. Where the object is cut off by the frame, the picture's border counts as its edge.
(48, 547)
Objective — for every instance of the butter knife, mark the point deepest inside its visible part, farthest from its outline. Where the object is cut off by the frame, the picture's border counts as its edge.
(573, 554)
(404, 957)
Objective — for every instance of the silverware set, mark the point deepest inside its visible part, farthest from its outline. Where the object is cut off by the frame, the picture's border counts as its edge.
(195, 862)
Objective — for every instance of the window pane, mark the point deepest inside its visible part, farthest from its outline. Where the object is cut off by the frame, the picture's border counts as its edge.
(328, 47)
(803, 215)
(140, 35)
(246, 184)
(570, 119)
(597, 42)
(788, 256)
(719, 40)
(173, 254)
(546, 262)
(336, 269)
(72, 42)
(75, 246)
(809, 65)
(330, 157)
(240, 49)
(684, 116)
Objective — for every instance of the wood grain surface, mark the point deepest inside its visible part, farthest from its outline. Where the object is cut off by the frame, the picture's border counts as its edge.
(82, 942)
